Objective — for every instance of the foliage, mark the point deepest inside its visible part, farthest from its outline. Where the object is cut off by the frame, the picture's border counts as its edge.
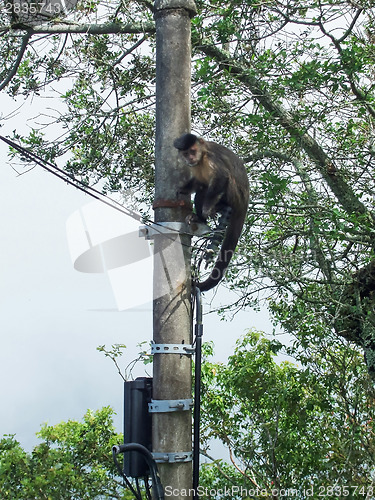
(288, 87)
(117, 350)
(289, 426)
(73, 461)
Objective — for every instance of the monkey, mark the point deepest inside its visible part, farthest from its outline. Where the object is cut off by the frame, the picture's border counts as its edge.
(220, 183)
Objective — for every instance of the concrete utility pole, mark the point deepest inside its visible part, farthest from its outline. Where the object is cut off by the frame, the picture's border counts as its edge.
(172, 428)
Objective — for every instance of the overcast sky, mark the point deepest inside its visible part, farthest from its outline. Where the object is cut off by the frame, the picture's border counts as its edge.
(54, 317)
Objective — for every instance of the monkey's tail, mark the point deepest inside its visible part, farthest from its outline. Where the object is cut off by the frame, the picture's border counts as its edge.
(227, 249)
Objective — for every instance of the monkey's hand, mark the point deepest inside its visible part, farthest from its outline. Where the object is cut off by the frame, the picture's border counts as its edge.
(208, 211)
(192, 219)
(197, 225)
(187, 188)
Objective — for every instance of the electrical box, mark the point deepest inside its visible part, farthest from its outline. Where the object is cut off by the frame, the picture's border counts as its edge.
(137, 424)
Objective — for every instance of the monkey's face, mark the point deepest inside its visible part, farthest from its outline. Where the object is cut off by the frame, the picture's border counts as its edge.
(193, 155)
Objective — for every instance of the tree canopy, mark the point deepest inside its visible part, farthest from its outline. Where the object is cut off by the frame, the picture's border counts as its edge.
(73, 461)
(292, 431)
(288, 86)
(306, 429)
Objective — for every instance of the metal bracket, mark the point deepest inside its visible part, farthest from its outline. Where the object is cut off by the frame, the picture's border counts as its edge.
(186, 349)
(169, 405)
(155, 229)
(149, 231)
(178, 457)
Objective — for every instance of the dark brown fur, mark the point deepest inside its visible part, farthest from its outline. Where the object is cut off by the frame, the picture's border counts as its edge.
(219, 180)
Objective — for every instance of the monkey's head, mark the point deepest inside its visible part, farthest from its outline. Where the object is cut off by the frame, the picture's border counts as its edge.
(191, 148)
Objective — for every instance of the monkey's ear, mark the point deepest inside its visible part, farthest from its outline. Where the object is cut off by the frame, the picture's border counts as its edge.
(200, 140)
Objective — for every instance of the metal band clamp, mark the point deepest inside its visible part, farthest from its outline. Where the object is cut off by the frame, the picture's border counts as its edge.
(149, 231)
(186, 349)
(171, 458)
(169, 405)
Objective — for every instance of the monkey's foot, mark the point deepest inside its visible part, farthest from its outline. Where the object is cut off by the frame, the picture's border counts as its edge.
(197, 226)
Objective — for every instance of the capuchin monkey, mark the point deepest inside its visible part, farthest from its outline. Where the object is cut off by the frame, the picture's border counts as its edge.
(220, 183)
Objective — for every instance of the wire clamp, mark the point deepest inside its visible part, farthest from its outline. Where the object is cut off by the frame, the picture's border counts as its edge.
(149, 231)
(185, 349)
(172, 458)
(169, 405)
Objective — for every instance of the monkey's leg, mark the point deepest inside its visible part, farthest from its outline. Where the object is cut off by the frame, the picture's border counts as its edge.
(197, 217)
(199, 201)
(187, 188)
(215, 192)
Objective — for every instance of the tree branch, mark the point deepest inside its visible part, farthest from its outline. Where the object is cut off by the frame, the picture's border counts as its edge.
(352, 24)
(360, 95)
(90, 29)
(13, 71)
(343, 192)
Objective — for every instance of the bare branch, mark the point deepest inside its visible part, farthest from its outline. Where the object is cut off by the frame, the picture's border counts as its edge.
(90, 29)
(13, 71)
(350, 29)
(129, 51)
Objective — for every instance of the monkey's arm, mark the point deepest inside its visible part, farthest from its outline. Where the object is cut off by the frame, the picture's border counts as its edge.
(216, 190)
(190, 187)
(187, 188)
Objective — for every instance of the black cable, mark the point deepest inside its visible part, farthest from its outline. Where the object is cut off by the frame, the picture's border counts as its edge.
(138, 487)
(156, 483)
(197, 389)
(127, 482)
(89, 190)
(148, 489)
(61, 174)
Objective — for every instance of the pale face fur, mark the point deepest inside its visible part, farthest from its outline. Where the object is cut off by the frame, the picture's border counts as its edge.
(193, 155)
